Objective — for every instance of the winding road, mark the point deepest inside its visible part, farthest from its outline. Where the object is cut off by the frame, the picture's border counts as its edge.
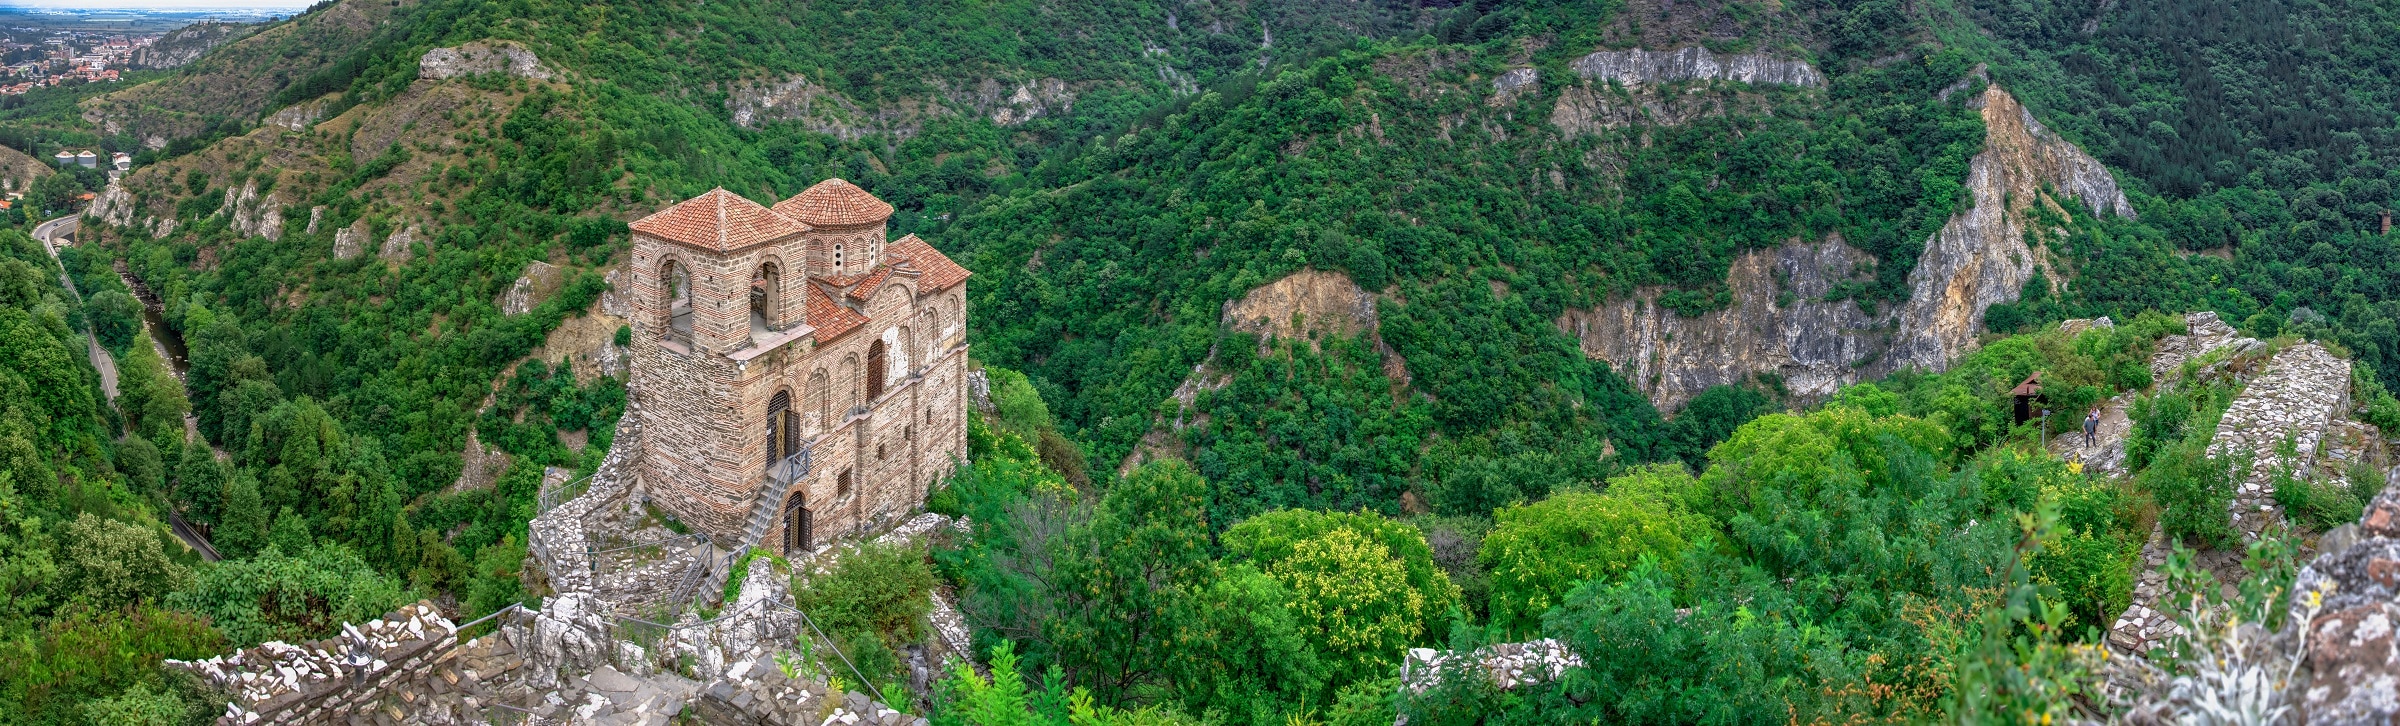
(49, 233)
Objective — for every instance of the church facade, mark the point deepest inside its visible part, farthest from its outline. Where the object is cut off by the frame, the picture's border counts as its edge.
(801, 376)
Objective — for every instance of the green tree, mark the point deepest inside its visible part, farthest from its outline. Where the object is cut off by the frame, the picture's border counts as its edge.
(290, 532)
(110, 564)
(200, 486)
(289, 597)
(1237, 648)
(1270, 538)
(116, 318)
(1147, 539)
(1351, 596)
(242, 529)
(1539, 552)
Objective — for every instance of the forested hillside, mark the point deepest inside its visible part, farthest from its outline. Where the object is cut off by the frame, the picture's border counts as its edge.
(1182, 509)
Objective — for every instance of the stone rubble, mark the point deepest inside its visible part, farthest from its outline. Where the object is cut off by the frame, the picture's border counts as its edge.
(1508, 664)
(404, 660)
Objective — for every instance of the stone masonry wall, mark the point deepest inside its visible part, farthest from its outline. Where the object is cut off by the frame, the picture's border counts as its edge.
(2302, 394)
(2304, 390)
(328, 680)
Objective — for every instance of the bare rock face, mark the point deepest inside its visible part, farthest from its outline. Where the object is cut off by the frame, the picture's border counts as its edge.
(1638, 67)
(315, 214)
(395, 247)
(299, 116)
(537, 284)
(113, 206)
(350, 241)
(1308, 304)
(478, 58)
(1028, 101)
(251, 214)
(1778, 323)
(1516, 82)
(1980, 258)
(795, 98)
(188, 43)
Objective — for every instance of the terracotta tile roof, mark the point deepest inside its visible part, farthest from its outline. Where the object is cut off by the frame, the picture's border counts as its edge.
(719, 221)
(866, 287)
(830, 318)
(939, 272)
(835, 203)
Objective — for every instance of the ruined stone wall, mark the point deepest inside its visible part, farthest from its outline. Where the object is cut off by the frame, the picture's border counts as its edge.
(359, 672)
(2304, 390)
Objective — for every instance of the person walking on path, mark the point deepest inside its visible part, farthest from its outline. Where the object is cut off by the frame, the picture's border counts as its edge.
(2091, 427)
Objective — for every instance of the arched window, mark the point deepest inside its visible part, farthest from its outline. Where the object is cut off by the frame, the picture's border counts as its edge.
(820, 391)
(674, 302)
(796, 525)
(766, 299)
(850, 383)
(928, 327)
(875, 365)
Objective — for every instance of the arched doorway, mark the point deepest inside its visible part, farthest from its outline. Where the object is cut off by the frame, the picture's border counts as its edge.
(796, 534)
(779, 428)
(876, 361)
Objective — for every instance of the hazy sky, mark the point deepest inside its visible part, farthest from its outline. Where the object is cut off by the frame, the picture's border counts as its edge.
(159, 4)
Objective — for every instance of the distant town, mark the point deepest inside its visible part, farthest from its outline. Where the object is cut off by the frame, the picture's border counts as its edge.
(39, 57)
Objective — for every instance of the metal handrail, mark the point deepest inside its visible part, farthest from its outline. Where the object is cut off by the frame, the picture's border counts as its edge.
(791, 468)
(837, 650)
(550, 498)
(693, 538)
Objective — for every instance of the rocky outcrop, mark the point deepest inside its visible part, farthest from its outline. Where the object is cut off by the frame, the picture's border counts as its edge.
(1779, 323)
(1508, 665)
(1306, 305)
(113, 207)
(823, 110)
(478, 58)
(299, 116)
(814, 107)
(1011, 105)
(396, 247)
(540, 281)
(1980, 258)
(1638, 67)
(188, 43)
(1506, 87)
(2353, 649)
(351, 241)
(316, 214)
(249, 214)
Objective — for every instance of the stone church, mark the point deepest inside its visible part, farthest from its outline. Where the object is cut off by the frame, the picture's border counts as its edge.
(800, 377)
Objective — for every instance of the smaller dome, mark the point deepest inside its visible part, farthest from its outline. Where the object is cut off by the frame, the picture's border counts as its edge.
(835, 203)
